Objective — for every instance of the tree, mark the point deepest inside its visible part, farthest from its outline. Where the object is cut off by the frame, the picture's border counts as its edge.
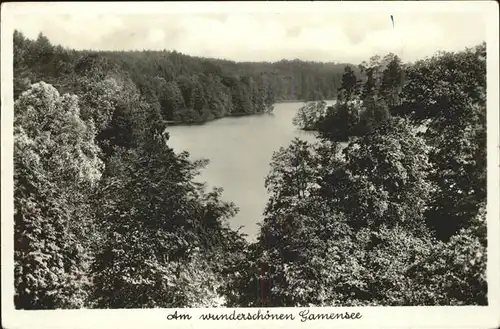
(309, 115)
(304, 253)
(99, 100)
(373, 113)
(386, 178)
(270, 97)
(369, 88)
(371, 79)
(198, 101)
(283, 255)
(185, 85)
(459, 172)
(394, 250)
(452, 75)
(240, 96)
(359, 212)
(131, 121)
(42, 49)
(149, 71)
(161, 230)
(392, 80)
(256, 94)
(22, 75)
(171, 100)
(305, 88)
(291, 172)
(395, 215)
(341, 122)
(92, 66)
(446, 94)
(56, 165)
(454, 273)
(350, 85)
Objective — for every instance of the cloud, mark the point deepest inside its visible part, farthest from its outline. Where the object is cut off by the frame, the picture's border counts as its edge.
(293, 32)
(156, 35)
(329, 36)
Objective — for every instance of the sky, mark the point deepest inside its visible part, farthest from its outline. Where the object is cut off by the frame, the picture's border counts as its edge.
(330, 36)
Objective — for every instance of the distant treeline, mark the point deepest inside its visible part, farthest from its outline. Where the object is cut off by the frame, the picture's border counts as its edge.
(184, 88)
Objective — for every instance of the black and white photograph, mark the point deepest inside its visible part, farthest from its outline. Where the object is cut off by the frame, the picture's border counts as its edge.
(252, 159)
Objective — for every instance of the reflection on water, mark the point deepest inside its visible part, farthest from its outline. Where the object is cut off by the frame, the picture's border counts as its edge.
(239, 150)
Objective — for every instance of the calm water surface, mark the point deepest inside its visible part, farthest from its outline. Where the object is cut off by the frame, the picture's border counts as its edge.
(240, 150)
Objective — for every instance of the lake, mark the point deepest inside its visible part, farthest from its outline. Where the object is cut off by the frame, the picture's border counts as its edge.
(240, 150)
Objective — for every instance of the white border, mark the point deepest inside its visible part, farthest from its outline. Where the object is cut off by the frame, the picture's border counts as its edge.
(472, 317)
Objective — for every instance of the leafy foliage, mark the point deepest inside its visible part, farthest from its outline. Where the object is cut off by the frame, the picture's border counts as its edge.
(309, 115)
(454, 110)
(385, 176)
(455, 272)
(156, 221)
(349, 225)
(386, 208)
(188, 89)
(342, 120)
(56, 166)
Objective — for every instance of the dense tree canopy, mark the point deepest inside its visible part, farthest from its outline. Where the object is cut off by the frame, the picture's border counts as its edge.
(187, 89)
(394, 215)
(161, 227)
(447, 93)
(387, 207)
(56, 167)
(309, 115)
(106, 214)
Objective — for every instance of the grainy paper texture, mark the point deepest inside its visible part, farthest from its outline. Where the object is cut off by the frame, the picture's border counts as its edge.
(356, 143)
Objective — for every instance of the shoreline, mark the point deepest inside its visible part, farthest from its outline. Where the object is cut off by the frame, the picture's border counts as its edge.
(290, 101)
(171, 123)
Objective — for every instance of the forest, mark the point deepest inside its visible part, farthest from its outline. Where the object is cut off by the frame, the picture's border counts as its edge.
(387, 207)
(185, 89)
